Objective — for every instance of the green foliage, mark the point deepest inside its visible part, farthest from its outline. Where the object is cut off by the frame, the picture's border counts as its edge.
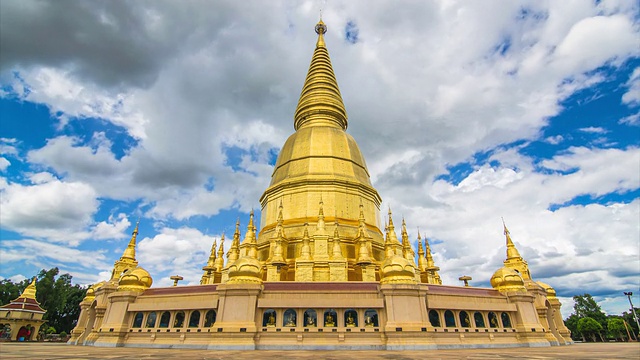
(589, 327)
(51, 330)
(10, 291)
(55, 294)
(63, 334)
(586, 306)
(572, 324)
(615, 328)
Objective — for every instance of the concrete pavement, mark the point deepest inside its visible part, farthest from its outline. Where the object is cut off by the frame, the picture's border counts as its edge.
(63, 351)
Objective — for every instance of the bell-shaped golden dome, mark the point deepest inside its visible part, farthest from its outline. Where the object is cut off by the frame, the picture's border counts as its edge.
(551, 292)
(138, 279)
(245, 270)
(397, 270)
(507, 279)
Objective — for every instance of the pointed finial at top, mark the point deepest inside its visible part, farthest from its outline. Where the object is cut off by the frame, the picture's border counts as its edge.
(512, 251)
(321, 29)
(130, 251)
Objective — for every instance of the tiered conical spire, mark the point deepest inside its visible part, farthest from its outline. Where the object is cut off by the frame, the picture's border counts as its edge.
(421, 259)
(220, 259)
(407, 250)
(320, 101)
(512, 252)
(514, 259)
(337, 249)
(305, 250)
(130, 251)
(233, 253)
(128, 259)
(30, 291)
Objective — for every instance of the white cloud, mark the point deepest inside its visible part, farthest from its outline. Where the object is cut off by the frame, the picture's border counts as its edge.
(632, 96)
(182, 251)
(631, 120)
(594, 130)
(4, 164)
(48, 208)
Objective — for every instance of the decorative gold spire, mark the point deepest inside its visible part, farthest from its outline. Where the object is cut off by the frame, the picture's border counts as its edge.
(305, 251)
(320, 101)
(421, 259)
(220, 259)
(212, 257)
(128, 259)
(30, 291)
(514, 260)
(130, 251)
(233, 253)
(337, 249)
(512, 252)
(432, 269)
(407, 250)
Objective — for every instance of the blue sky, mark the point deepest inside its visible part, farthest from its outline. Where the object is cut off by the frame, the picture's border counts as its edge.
(465, 113)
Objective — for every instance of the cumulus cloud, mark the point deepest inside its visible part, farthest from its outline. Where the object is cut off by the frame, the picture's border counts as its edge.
(48, 208)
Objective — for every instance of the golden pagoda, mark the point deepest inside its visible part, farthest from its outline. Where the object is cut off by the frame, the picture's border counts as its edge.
(321, 272)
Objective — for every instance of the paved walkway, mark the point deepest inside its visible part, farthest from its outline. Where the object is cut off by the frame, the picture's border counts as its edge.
(63, 351)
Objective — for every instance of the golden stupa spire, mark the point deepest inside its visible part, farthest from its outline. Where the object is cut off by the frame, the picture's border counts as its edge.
(512, 252)
(30, 291)
(407, 250)
(305, 250)
(429, 257)
(320, 101)
(421, 259)
(514, 260)
(337, 249)
(233, 253)
(130, 251)
(220, 259)
(212, 257)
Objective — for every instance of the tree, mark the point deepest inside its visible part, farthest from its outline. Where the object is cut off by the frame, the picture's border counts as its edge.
(572, 324)
(10, 291)
(58, 296)
(615, 328)
(588, 326)
(585, 306)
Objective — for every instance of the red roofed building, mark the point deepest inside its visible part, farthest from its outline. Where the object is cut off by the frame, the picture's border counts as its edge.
(21, 318)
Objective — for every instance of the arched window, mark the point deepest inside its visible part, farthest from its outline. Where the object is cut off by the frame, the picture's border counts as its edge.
(330, 317)
(151, 320)
(290, 318)
(506, 320)
(371, 318)
(194, 319)
(493, 320)
(350, 318)
(209, 318)
(310, 318)
(165, 319)
(269, 318)
(479, 319)
(449, 319)
(464, 319)
(434, 318)
(178, 322)
(137, 320)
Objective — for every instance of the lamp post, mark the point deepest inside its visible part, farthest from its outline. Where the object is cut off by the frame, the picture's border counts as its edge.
(629, 294)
